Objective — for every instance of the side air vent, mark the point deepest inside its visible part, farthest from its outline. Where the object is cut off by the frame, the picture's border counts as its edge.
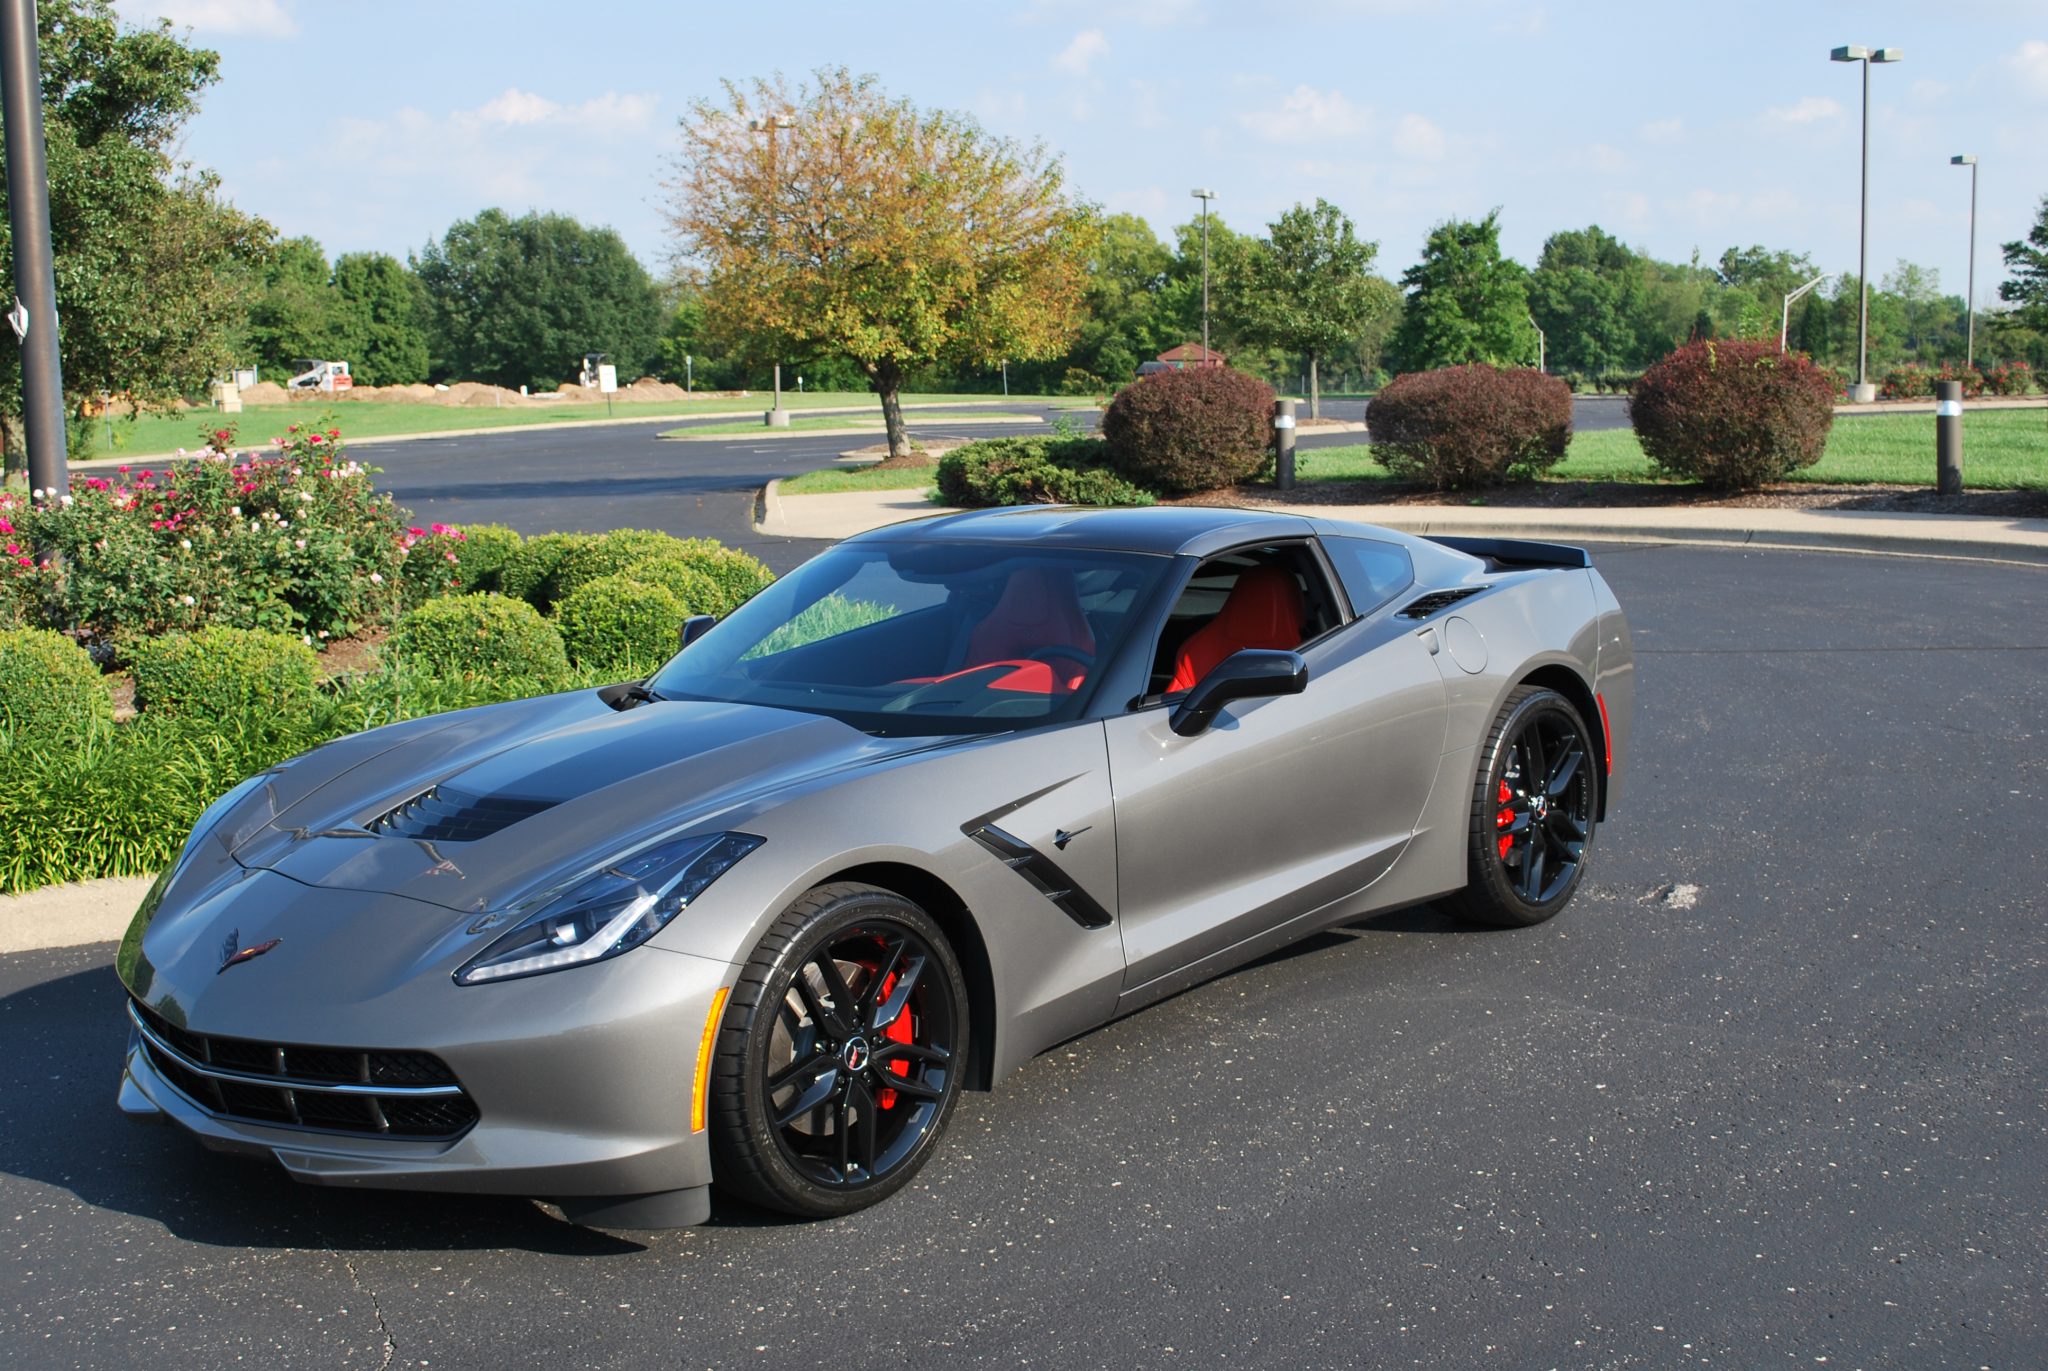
(447, 815)
(1437, 600)
(1041, 872)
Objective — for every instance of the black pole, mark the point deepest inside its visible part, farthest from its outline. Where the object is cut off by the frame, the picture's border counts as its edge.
(35, 277)
(1948, 437)
(1283, 444)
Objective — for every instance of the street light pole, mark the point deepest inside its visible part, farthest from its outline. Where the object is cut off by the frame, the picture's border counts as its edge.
(34, 313)
(1540, 341)
(1969, 160)
(1791, 299)
(776, 418)
(1864, 392)
(1205, 196)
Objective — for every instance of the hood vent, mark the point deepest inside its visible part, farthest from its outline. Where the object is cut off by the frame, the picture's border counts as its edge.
(447, 815)
(1437, 600)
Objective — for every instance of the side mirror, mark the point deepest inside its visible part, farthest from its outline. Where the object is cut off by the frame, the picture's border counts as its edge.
(1248, 674)
(694, 627)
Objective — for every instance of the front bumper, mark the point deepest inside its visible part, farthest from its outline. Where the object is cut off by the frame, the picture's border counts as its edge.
(581, 1078)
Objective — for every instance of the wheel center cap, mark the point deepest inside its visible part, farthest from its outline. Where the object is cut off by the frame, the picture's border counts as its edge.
(855, 1054)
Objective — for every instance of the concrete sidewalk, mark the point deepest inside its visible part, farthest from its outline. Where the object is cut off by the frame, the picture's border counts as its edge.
(1922, 535)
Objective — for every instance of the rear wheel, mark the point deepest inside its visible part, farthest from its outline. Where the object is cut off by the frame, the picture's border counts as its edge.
(1533, 803)
(840, 1055)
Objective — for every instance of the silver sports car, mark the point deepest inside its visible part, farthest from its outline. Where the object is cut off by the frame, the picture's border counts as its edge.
(946, 795)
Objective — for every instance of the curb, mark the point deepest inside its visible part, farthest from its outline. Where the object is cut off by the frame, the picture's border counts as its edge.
(2018, 542)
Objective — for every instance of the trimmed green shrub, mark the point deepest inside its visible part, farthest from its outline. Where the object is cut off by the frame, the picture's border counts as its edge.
(524, 575)
(482, 556)
(1178, 432)
(735, 576)
(608, 554)
(683, 578)
(1733, 415)
(620, 623)
(50, 691)
(1472, 425)
(1034, 471)
(219, 671)
(480, 635)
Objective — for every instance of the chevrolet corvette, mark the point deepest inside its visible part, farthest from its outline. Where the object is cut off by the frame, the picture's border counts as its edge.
(950, 793)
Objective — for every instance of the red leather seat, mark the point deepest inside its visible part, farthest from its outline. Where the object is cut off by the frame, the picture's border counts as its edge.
(1264, 609)
(1038, 613)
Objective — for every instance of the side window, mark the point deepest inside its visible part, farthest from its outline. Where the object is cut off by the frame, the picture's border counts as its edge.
(1373, 572)
(1275, 596)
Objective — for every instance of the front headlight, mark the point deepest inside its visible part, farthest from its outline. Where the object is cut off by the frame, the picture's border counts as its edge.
(607, 911)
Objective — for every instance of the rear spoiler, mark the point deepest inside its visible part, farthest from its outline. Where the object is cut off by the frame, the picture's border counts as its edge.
(1517, 552)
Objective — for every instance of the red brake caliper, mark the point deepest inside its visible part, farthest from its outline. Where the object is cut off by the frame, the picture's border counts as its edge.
(897, 1030)
(1503, 819)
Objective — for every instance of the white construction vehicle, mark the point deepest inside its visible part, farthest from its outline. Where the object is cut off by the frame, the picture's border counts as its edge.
(327, 376)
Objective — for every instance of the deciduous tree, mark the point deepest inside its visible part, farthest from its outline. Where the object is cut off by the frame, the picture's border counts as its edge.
(1466, 302)
(861, 226)
(1306, 288)
(152, 266)
(519, 301)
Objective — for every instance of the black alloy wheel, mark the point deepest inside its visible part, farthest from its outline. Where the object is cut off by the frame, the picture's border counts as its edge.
(841, 1054)
(1533, 808)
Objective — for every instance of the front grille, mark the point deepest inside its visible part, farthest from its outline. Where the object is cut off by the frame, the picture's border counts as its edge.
(1436, 600)
(369, 1090)
(444, 814)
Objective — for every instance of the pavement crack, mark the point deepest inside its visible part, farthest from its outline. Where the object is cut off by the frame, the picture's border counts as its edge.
(376, 1312)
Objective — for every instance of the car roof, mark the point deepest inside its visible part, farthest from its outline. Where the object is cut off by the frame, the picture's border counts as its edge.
(1166, 530)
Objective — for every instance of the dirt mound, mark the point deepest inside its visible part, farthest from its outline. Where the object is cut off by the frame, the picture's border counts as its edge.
(266, 393)
(649, 390)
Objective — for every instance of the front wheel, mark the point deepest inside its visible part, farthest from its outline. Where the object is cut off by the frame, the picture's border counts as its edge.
(1533, 803)
(840, 1055)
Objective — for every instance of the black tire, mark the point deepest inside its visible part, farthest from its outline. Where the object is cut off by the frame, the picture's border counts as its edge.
(809, 1112)
(1527, 851)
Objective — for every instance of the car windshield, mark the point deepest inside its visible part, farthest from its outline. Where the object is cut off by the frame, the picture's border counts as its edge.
(923, 637)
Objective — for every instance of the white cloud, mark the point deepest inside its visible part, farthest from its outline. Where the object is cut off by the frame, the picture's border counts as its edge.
(2030, 65)
(1925, 92)
(256, 18)
(1146, 111)
(517, 108)
(1418, 139)
(1630, 207)
(1089, 46)
(1661, 130)
(1811, 109)
(1604, 158)
(1308, 114)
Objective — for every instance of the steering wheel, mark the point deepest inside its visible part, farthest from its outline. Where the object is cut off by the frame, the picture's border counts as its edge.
(1085, 660)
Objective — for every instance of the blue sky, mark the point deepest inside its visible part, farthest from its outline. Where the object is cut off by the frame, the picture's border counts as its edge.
(1675, 126)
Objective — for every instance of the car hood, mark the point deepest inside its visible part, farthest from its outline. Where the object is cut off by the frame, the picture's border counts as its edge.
(490, 804)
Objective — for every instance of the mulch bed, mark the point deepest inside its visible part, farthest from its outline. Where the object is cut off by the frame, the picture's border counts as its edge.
(2001, 504)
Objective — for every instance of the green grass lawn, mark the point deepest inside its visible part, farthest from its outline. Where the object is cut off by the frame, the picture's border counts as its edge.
(2003, 449)
(834, 480)
(864, 422)
(257, 425)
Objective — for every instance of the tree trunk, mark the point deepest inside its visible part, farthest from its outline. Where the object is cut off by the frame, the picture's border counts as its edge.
(13, 455)
(888, 382)
(1315, 390)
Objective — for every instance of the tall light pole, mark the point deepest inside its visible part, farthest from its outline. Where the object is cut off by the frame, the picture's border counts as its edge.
(34, 311)
(1864, 392)
(768, 127)
(1205, 196)
(1969, 160)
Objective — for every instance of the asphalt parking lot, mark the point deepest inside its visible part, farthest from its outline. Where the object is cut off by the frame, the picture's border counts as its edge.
(1771, 1092)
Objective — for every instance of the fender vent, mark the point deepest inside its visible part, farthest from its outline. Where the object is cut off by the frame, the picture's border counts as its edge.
(1437, 600)
(447, 815)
